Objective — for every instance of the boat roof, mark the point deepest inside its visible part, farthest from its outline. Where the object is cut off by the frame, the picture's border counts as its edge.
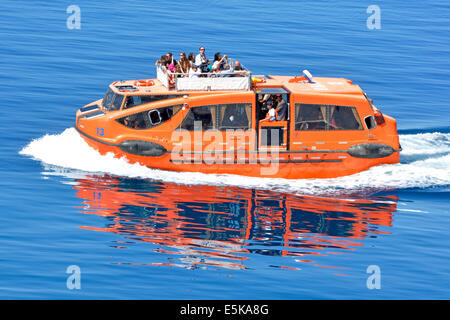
(318, 85)
(270, 84)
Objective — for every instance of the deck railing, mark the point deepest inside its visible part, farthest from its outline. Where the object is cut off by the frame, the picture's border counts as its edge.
(211, 81)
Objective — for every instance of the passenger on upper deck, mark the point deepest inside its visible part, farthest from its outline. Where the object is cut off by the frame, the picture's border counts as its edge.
(227, 72)
(194, 72)
(201, 60)
(191, 58)
(184, 64)
(163, 61)
(170, 59)
(171, 62)
(238, 66)
(239, 70)
(219, 61)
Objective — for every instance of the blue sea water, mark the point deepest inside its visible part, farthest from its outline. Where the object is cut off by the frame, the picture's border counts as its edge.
(138, 233)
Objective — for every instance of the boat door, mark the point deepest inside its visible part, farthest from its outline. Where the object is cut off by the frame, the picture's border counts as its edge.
(272, 135)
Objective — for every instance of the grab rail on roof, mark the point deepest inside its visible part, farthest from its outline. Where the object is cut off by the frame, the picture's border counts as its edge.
(237, 80)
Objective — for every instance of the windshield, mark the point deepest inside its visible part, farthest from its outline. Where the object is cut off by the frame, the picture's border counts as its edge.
(112, 101)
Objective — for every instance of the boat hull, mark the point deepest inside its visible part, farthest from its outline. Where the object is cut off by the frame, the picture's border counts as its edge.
(267, 164)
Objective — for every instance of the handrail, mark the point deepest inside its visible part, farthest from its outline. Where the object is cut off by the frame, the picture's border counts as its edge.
(205, 81)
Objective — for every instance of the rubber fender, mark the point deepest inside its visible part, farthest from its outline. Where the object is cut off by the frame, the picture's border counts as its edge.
(142, 148)
(370, 150)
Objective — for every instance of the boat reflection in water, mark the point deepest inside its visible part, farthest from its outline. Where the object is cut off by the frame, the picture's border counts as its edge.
(200, 226)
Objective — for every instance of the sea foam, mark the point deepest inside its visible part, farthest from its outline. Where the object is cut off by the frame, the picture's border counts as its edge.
(424, 162)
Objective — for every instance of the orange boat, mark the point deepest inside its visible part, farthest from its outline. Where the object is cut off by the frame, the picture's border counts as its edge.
(323, 127)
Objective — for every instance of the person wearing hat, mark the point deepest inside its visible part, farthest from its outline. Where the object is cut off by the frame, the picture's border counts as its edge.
(194, 71)
(217, 72)
(271, 113)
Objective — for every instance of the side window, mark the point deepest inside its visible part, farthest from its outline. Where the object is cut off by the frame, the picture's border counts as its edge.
(150, 118)
(221, 117)
(234, 116)
(203, 117)
(108, 99)
(138, 100)
(344, 118)
(315, 117)
(310, 117)
(117, 102)
(132, 101)
(370, 122)
(154, 116)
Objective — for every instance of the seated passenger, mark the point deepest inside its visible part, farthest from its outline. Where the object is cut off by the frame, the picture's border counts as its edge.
(163, 61)
(220, 61)
(238, 66)
(183, 64)
(215, 71)
(191, 58)
(170, 65)
(194, 72)
(227, 72)
(239, 70)
(178, 72)
(281, 108)
(170, 60)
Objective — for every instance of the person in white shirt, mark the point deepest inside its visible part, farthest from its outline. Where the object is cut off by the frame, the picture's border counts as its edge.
(201, 60)
(227, 72)
(194, 72)
(271, 114)
(220, 61)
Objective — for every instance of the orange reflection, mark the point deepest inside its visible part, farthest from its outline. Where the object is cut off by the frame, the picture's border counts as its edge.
(223, 226)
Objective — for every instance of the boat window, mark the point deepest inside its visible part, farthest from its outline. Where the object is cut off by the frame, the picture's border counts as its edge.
(154, 117)
(112, 101)
(310, 117)
(108, 99)
(317, 117)
(343, 118)
(234, 116)
(220, 117)
(149, 119)
(199, 117)
(117, 103)
(133, 101)
(370, 122)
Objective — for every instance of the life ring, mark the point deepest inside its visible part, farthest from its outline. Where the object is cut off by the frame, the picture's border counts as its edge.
(144, 83)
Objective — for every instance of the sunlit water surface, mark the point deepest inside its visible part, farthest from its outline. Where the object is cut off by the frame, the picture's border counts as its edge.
(141, 233)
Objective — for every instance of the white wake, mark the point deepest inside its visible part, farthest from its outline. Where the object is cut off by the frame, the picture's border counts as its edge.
(424, 162)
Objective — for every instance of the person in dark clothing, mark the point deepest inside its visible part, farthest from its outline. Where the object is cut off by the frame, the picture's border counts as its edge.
(281, 108)
(238, 66)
